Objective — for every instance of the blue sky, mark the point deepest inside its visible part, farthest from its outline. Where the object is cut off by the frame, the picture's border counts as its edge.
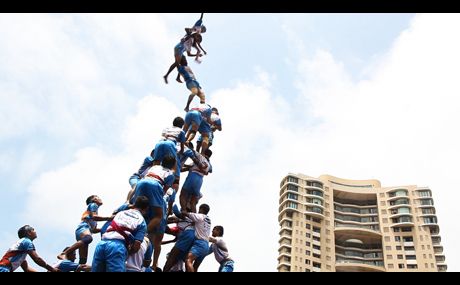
(357, 96)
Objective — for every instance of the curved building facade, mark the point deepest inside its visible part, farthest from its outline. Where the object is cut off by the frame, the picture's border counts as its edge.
(331, 224)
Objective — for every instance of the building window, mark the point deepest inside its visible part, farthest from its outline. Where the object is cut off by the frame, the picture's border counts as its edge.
(389, 256)
(316, 238)
(328, 241)
(316, 255)
(388, 248)
(401, 266)
(396, 230)
(398, 247)
(384, 212)
(385, 220)
(308, 226)
(410, 257)
(328, 232)
(293, 179)
(316, 220)
(328, 249)
(307, 253)
(316, 247)
(307, 243)
(421, 238)
(328, 223)
(316, 230)
(307, 261)
(412, 266)
(391, 266)
(382, 195)
(382, 203)
(423, 247)
(328, 258)
(387, 239)
(316, 264)
(328, 267)
(307, 235)
(307, 270)
(408, 239)
(400, 256)
(426, 265)
(397, 238)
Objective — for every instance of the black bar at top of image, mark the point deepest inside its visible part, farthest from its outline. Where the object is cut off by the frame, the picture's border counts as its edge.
(232, 6)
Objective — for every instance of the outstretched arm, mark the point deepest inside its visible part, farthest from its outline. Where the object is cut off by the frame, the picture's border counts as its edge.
(39, 261)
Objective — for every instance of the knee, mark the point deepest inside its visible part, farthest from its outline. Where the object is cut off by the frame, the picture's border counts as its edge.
(87, 239)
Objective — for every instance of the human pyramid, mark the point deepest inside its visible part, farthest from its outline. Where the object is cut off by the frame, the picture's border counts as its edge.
(134, 232)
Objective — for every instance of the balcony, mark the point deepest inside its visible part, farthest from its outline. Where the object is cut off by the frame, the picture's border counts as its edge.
(442, 268)
(349, 265)
(357, 229)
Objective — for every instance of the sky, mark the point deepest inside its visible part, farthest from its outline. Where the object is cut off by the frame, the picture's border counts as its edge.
(356, 96)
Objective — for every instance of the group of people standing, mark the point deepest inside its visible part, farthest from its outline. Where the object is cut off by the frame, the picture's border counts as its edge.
(132, 236)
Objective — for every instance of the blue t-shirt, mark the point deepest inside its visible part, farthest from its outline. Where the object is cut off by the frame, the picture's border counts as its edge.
(67, 266)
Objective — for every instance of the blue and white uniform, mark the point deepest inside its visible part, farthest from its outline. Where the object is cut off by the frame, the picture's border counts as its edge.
(164, 148)
(221, 254)
(87, 222)
(111, 252)
(168, 198)
(194, 180)
(199, 116)
(16, 255)
(200, 246)
(146, 164)
(189, 77)
(152, 186)
(184, 45)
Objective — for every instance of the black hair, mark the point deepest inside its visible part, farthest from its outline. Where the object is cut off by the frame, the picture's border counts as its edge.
(90, 199)
(24, 230)
(168, 161)
(215, 110)
(205, 208)
(208, 152)
(198, 38)
(220, 229)
(142, 203)
(178, 122)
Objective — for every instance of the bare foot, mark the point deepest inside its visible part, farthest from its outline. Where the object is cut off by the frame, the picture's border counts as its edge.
(178, 80)
(166, 79)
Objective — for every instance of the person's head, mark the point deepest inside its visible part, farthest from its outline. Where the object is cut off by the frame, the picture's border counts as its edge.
(198, 38)
(203, 29)
(204, 209)
(218, 231)
(178, 122)
(168, 161)
(214, 110)
(70, 255)
(142, 204)
(93, 199)
(27, 231)
(208, 153)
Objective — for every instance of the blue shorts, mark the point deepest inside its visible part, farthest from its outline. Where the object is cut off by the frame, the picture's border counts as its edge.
(179, 49)
(193, 83)
(185, 240)
(204, 128)
(4, 269)
(227, 266)
(81, 229)
(193, 117)
(200, 248)
(110, 256)
(163, 148)
(192, 184)
(153, 190)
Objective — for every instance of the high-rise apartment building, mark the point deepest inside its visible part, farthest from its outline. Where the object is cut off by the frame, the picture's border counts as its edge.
(333, 224)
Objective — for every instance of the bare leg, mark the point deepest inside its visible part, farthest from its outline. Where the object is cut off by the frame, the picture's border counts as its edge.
(172, 259)
(190, 98)
(171, 68)
(83, 254)
(205, 143)
(158, 238)
(189, 262)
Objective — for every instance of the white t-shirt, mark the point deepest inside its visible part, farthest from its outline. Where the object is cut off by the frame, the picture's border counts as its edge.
(220, 250)
(202, 225)
(136, 260)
